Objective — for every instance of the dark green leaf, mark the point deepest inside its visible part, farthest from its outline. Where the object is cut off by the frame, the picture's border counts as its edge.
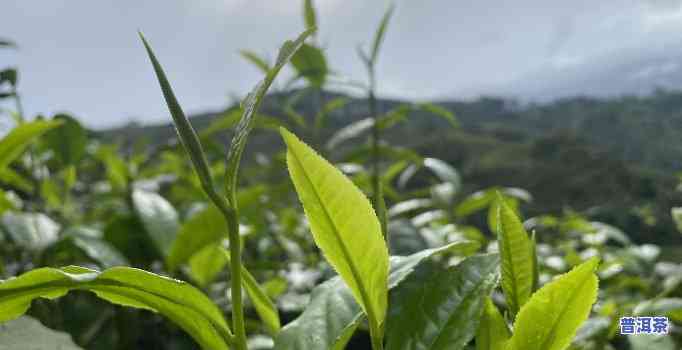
(310, 63)
(332, 315)
(188, 137)
(441, 309)
(67, 141)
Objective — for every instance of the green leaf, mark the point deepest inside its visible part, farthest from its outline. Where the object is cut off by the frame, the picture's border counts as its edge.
(380, 33)
(492, 333)
(444, 171)
(199, 231)
(344, 226)
(309, 15)
(28, 333)
(159, 218)
(180, 302)
(205, 265)
(90, 242)
(32, 231)
(516, 253)
(332, 315)
(250, 105)
(552, 316)
(188, 137)
(256, 60)
(208, 262)
(67, 141)
(441, 308)
(16, 141)
(310, 63)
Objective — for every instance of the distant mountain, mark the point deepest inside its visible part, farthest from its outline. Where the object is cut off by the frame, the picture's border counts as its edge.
(614, 157)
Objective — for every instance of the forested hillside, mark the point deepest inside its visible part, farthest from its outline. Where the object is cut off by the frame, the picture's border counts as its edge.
(599, 156)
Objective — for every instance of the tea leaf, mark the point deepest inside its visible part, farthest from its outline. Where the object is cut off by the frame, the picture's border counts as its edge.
(16, 141)
(516, 253)
(344, 226)
(310, 63)
(67, 141)
(32, 231)
(28, 333)
(381, 32)
(188, 137)
(552, 316)
(309, 14)
(441, 308)
(181, 303)
(250, 106)
(159, 218)
(202, 229)
(492, 333)
(209, 261)
(333, 315)
(256, 60)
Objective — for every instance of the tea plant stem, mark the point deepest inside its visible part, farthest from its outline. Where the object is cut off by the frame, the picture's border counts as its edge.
(230, 215)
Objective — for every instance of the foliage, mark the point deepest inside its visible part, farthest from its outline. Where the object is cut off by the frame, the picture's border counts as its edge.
(394, 247)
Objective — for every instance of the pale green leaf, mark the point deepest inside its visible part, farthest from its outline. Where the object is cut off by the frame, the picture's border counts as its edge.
(344, 226)
(181, 303)
(199, 231)
(676, 213)
(15, 142)
(206, 264)
(440, 308)
(552, 316)
(516, 252)
(492, 333)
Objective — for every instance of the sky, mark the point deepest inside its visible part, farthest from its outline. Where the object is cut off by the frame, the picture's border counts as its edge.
(84, 57)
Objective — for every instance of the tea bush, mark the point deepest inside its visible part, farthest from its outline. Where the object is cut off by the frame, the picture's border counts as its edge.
(166, 248)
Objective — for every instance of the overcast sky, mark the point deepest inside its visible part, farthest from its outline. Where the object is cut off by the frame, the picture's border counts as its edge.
(84, 57)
